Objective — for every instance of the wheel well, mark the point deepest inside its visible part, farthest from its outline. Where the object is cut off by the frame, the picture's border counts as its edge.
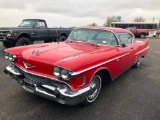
(106, 77)
(143, 33)
(63, 34)
(25, 35)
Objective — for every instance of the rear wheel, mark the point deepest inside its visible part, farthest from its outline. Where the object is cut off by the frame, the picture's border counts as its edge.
(142, 35)
(61, 38)
(95, 87)
(23, 41)
(137, 64)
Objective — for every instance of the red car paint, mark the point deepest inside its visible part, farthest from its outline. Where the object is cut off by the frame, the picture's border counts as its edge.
(83, 58)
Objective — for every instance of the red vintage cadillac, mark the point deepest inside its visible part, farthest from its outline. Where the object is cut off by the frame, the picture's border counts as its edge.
(73, 71)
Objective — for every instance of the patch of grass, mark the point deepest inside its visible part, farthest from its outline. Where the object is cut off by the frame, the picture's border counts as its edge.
(1, 43)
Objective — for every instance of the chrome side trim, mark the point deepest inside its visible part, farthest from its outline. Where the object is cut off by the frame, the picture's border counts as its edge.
(142, 51)
(76, 56)
(76, 73)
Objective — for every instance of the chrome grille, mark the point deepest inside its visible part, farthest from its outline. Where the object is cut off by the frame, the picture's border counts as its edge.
(3, 34)
(34, 79)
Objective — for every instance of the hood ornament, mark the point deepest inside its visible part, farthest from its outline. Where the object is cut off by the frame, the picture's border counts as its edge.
(27, 65)
(36, 52)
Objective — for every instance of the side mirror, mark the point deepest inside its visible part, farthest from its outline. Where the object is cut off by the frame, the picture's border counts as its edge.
(123, 45)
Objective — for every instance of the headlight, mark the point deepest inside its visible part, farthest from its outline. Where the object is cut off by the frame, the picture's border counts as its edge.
(11, 57)
(9, 34)
(57, 71)
(65, 74)
(6, 55)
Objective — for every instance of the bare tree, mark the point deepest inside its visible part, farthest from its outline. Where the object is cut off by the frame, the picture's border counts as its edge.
(93, 24)
(139, 19)
(109, 20)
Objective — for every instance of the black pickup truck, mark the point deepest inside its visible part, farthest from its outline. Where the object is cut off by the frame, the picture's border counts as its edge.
(31, 30)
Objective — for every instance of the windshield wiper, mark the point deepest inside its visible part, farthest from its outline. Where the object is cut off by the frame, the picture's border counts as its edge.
(92, 44)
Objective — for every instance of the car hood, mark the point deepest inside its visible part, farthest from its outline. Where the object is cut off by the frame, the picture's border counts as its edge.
(41, 58)
(51, 53)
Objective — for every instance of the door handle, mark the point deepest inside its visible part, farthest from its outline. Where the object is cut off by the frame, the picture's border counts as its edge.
(132, 48)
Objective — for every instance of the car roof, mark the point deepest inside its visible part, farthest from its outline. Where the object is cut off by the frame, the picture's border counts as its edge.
(115, 30)
(34, 19)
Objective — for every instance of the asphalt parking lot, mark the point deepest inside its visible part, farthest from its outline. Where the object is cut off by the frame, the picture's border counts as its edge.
(135, 95)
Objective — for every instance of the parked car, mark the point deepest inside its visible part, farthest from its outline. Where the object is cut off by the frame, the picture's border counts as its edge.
(73, 71)
(142, 33)
(31, 30)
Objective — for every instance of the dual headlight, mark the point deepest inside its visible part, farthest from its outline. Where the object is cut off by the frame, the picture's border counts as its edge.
(63, 73)
(9, 56)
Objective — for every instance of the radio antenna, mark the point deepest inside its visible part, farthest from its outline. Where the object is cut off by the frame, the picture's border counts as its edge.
(57, 35)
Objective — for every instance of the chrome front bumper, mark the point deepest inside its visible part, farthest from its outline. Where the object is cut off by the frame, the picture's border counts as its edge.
(46, 87)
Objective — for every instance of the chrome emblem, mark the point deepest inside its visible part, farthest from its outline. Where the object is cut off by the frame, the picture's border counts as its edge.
(37, 52)
(27, 65)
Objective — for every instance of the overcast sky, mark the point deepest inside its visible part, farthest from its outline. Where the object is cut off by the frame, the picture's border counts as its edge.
(69, 13)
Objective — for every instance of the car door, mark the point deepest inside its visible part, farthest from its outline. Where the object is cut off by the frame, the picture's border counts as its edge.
(127, 52)
(108, 38)
(42, 30)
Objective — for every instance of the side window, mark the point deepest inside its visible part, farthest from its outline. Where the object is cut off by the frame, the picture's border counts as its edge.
(107, 38)
(41, 24)
(123, 38)
(130, 38)
(126, 38)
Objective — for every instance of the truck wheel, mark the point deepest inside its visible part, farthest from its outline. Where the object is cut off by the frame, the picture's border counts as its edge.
(7, 44)
(61, 38)
(23, 41)
(95, 87)
(142, 35)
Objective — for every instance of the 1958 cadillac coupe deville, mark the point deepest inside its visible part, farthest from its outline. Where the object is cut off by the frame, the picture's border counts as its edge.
(72, 72)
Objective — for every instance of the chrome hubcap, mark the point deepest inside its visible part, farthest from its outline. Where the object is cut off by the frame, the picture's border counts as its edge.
(95, 87)
(138, 62)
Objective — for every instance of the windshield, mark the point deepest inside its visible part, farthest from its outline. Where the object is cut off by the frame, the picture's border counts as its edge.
(93, 36)
(27, 23)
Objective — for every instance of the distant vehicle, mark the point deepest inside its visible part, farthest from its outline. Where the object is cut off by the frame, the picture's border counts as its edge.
(31, 30)
(141, 32)
(73, 71)
(139, 29)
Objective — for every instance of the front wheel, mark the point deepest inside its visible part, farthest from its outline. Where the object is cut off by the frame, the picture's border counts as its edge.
(95, 87)
(23, 41)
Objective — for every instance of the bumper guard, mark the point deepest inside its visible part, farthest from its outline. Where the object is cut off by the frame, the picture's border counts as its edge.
(62, 93)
